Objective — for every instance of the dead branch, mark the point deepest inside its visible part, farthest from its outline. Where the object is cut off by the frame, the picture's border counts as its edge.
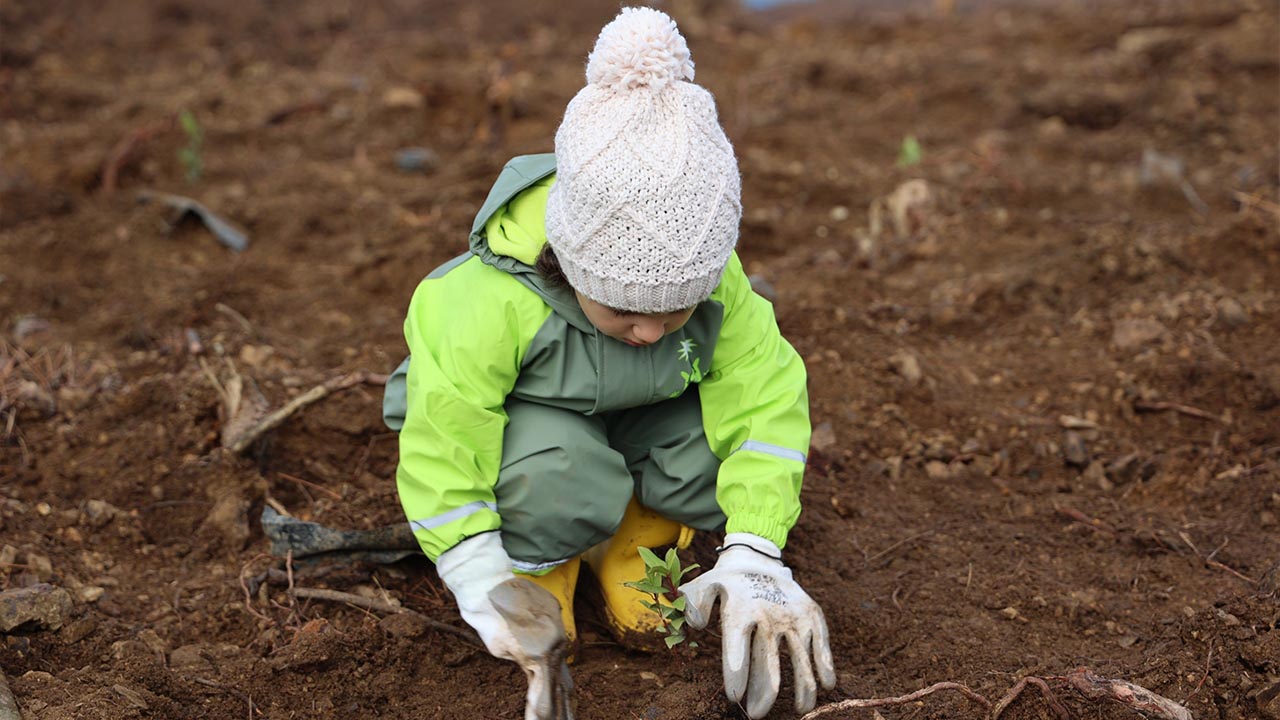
(1016, 690)
(1159, 406)
(901, 700)
(382, 606)
(1088, 521)
(1127, 694)
(241, 441)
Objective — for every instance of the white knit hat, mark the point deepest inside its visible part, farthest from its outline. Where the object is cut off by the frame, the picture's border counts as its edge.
(645, 208)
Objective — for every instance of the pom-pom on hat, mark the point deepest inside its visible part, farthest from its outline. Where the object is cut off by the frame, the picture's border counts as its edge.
(644, 212)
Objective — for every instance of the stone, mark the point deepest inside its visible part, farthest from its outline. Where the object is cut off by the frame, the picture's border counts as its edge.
(42, 604)
(1232, 313)
(90, 593)
(98, 513)
(78, 630)
(416, 159)
(937, 470)
(402, 98)
(1073, 449)
(1268, 700)
(824, 437)
(1156, 43)
(906, 365)
(1132, 333)
(190, 660)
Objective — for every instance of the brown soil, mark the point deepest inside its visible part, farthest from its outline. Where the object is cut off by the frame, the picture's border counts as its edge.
(943, 532)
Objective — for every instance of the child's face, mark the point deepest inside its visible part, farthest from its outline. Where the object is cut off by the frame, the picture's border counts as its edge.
(635, 329)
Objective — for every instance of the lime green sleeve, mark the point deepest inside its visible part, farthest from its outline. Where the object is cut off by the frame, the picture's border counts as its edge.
(755, 411)
(467, 333)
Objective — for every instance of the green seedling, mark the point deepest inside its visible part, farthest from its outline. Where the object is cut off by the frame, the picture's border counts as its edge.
(910, 153)
(190, 155)
(661, 582)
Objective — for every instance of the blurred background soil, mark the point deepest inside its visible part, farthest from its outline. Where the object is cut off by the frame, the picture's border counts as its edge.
(1045, 375)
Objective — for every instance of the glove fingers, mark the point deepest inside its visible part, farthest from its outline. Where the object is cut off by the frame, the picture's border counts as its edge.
(700, 595)
(538, 701)
(766, 675)
(822, 652)
(737, 641)
(806, 689)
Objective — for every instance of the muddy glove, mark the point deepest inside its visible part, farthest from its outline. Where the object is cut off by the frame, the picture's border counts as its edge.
(758, 598)
(516, 619)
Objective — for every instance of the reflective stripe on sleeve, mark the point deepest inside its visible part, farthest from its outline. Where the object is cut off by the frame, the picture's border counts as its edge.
(455, 514)
(766, 448)
(528, 567)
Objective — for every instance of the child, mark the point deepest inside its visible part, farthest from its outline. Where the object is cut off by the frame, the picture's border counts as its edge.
(596, 375)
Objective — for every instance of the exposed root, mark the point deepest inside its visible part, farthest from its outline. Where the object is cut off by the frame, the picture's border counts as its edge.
(1082, 680)
(901, 700)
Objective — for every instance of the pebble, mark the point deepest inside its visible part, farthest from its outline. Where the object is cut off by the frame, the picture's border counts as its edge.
(402, 98)
(824, 437)
(78, 630)
(937, 470)
(906, 365)
(99, 512)
(1232, 313)
(190, 660)
(416, 159)
(1268, 701)
(1074, 450)
(43, 604)
(90, 593)
(1131, 333)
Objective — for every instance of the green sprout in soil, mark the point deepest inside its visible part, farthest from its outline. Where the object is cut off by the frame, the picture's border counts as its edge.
(910, 153)
(661, 580)
(190, 155)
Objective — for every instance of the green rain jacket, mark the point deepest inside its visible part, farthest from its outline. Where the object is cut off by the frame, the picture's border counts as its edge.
(485, 326)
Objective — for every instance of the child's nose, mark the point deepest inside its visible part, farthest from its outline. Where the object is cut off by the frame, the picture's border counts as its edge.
(649, 331)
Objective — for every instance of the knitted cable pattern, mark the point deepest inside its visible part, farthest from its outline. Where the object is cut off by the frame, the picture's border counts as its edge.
(645, 209)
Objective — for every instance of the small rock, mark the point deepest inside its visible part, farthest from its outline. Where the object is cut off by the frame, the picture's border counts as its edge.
(256, 355)
(824, 437)
(404, 625)
(1132, 333)
(8, 556)
(42, 604)
(40, 566)
(190, 660)
(763, 287)
(1127, 641)
(906, 365)
(1124, 468)
(1268, 701)
(937, 470)
(44, 509)
(1098, 476)
(1154, 42)
(1232, 313)
(73, 398)
(1266, 518)
(99, 512)
(402, 98)
(1011, 613)
(416, 159)
(78, 630)
(90, 593)
(1074, 450)
(153, 641)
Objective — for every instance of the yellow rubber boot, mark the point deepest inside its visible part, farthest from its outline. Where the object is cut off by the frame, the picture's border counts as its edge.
(561, 582)
(617, 561)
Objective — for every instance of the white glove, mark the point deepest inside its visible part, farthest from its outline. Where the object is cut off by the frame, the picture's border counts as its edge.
(757, 595)
(513, 618)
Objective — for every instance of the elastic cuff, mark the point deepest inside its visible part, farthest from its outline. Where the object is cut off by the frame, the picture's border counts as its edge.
(762, 525)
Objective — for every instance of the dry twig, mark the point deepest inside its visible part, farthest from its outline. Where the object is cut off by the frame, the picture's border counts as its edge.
(382, 606)
(1017, 689)
(1158, 406)
(121, 153)
(238, 442)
